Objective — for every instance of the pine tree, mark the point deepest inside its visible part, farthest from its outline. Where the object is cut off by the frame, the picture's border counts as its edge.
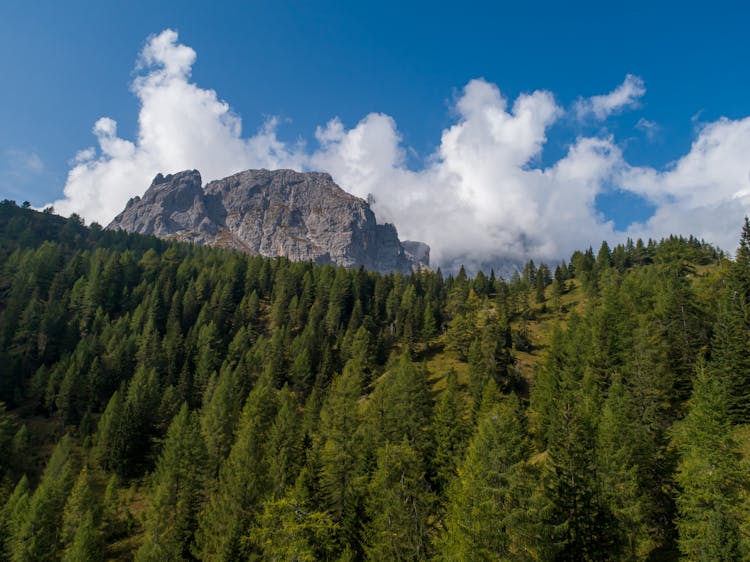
(399, 505)
(566, 402)
(219, 416)
(626, 459)
(207, 358)
(496, 510)
(87, 544)
(401, 407)
(175, 500)
(730, 354)
(6, 436)
(12, 515)
(284, 447)
(110, 437)
(80, 500)
(289, 528)
(243, 482)
(711, 476)
(450, 429)
(37, 536)
(341, 451)
(741, 269)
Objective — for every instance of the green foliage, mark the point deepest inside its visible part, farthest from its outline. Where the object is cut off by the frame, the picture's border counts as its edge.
(82, 500)
(451, 432)
(87, 544)
(341, 453)
(289, 529)
(242, 407)
(398, 506)
(177, 492)
(712, 478)
(400, 407)
(12, 517)
(36, 535)
(496, 510)
(243, 482)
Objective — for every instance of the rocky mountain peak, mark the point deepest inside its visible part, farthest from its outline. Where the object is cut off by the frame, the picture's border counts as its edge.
(298, 215)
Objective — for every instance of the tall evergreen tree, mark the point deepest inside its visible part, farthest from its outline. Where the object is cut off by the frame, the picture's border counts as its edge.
(37, 536)
(341, 453)
(12, 516)
(496, 510)
(712, 478)
(450, 431)
(730, 354)
(626, 459)
(399, 505)
(87, 544)
(243, 482)
(177, 493)
(82, 499)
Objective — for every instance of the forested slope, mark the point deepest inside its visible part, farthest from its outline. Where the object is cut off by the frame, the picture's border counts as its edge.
(164, 401)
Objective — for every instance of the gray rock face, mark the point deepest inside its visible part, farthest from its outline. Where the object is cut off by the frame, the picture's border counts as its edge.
(301, 216)
(417, 252)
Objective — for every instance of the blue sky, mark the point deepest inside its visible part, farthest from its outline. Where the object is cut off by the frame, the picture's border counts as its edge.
(66, 65)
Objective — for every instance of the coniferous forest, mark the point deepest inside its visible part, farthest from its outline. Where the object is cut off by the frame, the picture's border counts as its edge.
(163, 401)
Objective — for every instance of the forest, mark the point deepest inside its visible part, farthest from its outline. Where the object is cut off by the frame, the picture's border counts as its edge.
(163, 401)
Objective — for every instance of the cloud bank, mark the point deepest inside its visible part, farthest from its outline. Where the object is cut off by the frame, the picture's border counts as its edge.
(482, 197)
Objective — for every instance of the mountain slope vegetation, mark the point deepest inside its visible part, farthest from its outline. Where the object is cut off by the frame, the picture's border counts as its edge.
(165, 401)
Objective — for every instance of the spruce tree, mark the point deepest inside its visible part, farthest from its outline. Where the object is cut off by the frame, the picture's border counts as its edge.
(496, 510)
(87, 544)
(243, 482)
(37, 536)
(399, 505)
(450, 430)
(712, 478)
(177, 493)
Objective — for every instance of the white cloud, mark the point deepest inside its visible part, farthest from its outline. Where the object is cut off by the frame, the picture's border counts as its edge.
(706, 192)
(649, 128)
(482, 196)
(477, 199)
(626, 95)
(181, 126)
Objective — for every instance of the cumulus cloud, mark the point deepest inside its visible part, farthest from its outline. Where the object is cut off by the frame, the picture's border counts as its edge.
(181, 126)
(480, 198)
(626, 95)
(477, 200)
(706, 192)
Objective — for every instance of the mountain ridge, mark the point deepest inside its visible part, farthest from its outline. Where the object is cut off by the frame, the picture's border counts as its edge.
(298, 215)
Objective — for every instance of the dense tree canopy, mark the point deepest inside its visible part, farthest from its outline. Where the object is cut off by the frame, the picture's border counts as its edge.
(190, 403)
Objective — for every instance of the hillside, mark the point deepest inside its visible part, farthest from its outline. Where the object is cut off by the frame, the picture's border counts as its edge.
(164, 400)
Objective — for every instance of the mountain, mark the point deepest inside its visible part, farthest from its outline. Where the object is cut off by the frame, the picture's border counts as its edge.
(301, 216)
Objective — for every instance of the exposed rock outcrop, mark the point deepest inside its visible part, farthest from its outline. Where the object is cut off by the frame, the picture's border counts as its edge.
(301, 216)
